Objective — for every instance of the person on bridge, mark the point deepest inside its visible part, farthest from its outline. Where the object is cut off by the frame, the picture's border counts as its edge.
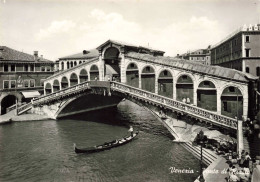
(131, 129)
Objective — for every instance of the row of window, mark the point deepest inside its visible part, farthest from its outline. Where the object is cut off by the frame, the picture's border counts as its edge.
(257, 70)
(26, 68)
(199, 58)
(12, 83)
(70, 64)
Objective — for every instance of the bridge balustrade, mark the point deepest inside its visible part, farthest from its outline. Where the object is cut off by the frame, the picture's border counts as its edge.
(56, 95)
(176, 105)
(24, 108)
(147, 96)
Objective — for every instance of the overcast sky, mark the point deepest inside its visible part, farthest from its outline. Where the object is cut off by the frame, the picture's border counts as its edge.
(58, 28)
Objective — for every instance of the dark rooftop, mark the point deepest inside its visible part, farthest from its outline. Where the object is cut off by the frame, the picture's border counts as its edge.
(195, 67)
(8, 54)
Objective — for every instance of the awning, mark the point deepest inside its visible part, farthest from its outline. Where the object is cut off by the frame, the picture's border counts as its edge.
(30, 94)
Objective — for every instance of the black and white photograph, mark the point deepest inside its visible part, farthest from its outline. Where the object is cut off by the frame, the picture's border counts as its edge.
(129, 90)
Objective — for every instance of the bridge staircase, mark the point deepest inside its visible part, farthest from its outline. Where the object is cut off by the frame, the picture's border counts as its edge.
(208, 156)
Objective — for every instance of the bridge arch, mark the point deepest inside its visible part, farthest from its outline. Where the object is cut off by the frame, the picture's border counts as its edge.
(132, 75)
(83, 75)
(232, 101)
(56, 85)
(207, 95)
(111, 61)
(165, 83)
(73, 79)
(94, 72)
(185, 88)
(148, 78)
(64, 82)
(48, 89)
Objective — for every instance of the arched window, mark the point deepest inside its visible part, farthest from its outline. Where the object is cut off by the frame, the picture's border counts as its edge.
(62, 65)
(258, 71)
(75, 63)
(247, 69)
(68, 65)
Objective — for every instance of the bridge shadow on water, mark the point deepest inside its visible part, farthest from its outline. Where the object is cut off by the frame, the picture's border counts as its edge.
(125, 114)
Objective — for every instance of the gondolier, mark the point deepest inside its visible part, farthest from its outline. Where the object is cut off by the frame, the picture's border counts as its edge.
(131, 130)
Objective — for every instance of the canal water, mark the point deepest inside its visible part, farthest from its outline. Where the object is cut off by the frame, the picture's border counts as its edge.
(43, 150)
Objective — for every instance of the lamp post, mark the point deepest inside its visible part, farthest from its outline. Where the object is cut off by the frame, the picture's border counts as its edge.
(18, 82)
(202, 140)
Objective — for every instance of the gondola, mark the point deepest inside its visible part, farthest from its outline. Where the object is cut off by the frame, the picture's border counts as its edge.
(107, 145)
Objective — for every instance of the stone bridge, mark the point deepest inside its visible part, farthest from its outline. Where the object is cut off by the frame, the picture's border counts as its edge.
(101, 77)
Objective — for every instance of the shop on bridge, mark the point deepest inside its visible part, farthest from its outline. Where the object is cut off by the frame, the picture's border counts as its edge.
(165, 84)
(184, 89)
(207, 96)
(132, 75)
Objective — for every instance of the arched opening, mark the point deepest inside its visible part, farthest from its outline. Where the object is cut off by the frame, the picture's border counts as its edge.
(47, 88)
(184, 89)
(83, 76)
(148, 79)
(232, 102)
(73, 79)
(132, 75)
(68, 65)
(71, 64)
(6, 102)
(64, 82)
(94, 73)
(207, 96)
(165, 84)
(62, 65)
(56, 85)
(75, 63)
(80, 62)
(112, 68)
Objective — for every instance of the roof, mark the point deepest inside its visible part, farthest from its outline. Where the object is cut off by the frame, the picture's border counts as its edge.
(127, 45)
(88, 54)
(218, 71)
(8, 54)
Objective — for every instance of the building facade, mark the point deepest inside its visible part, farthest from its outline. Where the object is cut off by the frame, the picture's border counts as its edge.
(199, 56)
(241, 51)
(22, 76)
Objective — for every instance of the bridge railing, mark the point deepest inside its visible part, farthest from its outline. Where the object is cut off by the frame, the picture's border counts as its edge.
(70, 90)
(176, 105)
(65, 91)
(24, 108)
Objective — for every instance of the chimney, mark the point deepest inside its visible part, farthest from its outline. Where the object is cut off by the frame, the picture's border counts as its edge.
(35, 53)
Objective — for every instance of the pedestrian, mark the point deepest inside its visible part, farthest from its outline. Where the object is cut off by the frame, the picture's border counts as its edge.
(247, 160)
(183, 100)
(243, 156)
(188, 100)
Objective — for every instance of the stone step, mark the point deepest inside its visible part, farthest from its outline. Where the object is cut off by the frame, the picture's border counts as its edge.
(196, 154)
(208, 156)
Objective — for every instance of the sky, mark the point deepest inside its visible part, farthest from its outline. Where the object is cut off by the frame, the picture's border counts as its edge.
(57, 28)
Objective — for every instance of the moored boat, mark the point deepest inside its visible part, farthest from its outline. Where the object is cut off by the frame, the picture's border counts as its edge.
(106, 145)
